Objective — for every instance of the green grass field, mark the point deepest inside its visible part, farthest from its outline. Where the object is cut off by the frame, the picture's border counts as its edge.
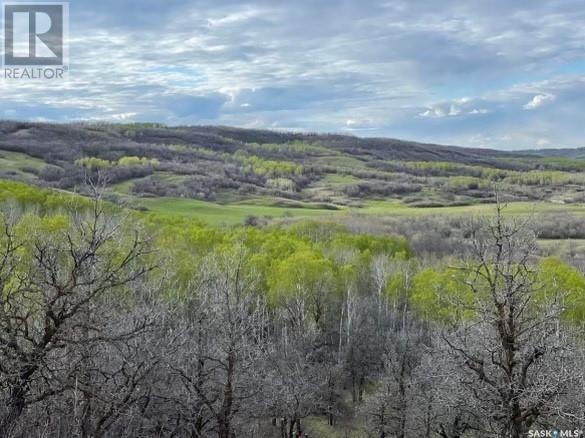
(333, 178)
(231, 209)
(21, 166)
(230, 214)
(10, 159)
(396, 208)
(235, 213)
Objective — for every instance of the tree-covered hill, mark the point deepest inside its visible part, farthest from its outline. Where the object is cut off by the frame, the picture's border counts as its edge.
(70, 140)
(227, 166)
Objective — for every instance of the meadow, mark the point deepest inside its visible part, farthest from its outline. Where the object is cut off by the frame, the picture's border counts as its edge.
(236, 213)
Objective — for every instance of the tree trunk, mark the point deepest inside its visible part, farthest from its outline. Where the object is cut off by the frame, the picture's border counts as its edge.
(361, 385)
(402, 398)
(291, 427)
(354, 395)
(15, 405)
(224, 420)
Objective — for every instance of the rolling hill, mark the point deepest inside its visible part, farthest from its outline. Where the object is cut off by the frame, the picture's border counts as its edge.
(226, 174)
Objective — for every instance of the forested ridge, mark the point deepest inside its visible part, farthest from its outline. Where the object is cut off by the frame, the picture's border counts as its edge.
(300, 170)
(120, 323)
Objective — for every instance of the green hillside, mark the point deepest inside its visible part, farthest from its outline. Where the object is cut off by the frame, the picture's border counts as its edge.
(229, 175)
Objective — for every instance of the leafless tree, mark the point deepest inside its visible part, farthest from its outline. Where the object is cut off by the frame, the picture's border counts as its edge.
(515, 355)
(393, 408)
(51, 282)
(224, 344)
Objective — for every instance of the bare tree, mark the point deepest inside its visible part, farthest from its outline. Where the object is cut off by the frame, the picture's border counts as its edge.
(514, 354)
(392, 409)
(51, 276)
(223, 346)
(298, 383)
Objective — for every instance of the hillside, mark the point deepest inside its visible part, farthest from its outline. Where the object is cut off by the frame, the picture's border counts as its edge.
(76, 139)
(231, 172)
(155, 315)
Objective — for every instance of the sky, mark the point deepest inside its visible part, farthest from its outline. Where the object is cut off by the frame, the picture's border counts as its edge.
(491, 73)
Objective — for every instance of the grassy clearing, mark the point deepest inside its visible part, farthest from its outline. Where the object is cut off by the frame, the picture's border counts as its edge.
(333, 178)
(224, 214)
(270, 201)
(396, 208)
(124, 187)
(19, 165)
(236, 212)
(318, 427)
(19, 160)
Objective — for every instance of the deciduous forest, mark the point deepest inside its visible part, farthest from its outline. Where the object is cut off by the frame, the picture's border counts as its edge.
(118, 321)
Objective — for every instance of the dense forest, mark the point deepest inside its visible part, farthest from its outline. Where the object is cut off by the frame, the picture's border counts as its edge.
(118, 323)
(217, 282)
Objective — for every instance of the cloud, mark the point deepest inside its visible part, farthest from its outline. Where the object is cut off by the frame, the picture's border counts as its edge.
(204, 107)
(124, 116)
(236, 17)
(538, 101)
(456, 108)
(497, 119)
(297, 96)
(434, 70)
(479, 111)
(359, 125)
(434, 112)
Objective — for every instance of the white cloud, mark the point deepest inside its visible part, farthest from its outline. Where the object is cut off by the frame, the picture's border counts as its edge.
(538, 101)
(358, 124)
(124, 116)
(454, 110)
(235, 17)
(475, 111)
(436, 112)
(458, 108)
